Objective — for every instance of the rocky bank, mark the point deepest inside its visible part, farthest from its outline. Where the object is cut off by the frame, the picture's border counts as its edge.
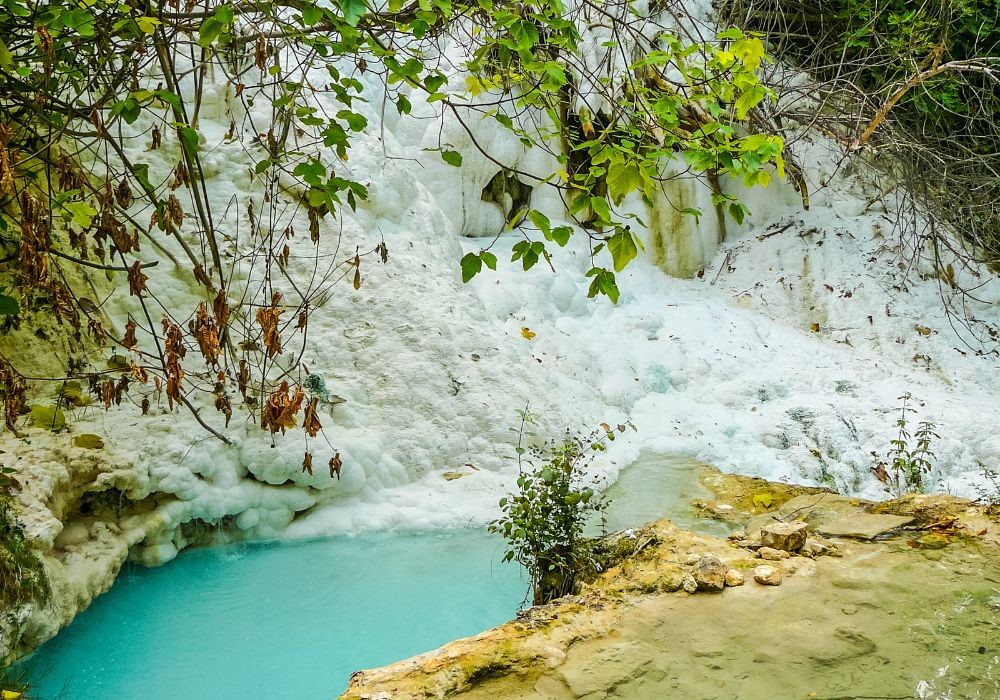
(894, 599)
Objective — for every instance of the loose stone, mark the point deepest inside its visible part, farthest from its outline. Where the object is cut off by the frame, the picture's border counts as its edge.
(772, 554)
(710, 574)
(786, 536)
(734, 577)
(767, 575)
(689, 584)
(812, 548)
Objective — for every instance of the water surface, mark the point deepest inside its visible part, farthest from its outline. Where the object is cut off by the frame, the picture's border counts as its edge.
(661, 486)
(277, 620)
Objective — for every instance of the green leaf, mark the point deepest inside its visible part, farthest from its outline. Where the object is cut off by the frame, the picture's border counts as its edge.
(541, 222)
(561, 235)
(209, 31)
(82, 213)
(311, 14)
(525, 33)
(622, 248)
(353, 10)
(489, 259)
(128, 109)
(6, 59)
(471, 265)
(528, 252)
(750, 51)
(147, 25)
(748, 100)
(354, 120)
(600, 207)
(453, 158)
(737, 211)
(312, 172)
(189, 139)
(433, 82)
(603, 282)
(9, 306)
(141, 173)
(623, 178)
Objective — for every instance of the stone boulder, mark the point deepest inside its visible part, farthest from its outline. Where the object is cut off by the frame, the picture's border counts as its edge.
(768, 575)
(710, 573)
(788, 537)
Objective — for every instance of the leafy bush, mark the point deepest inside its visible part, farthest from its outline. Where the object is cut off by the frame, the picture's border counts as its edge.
(543, 522)
(908, 464)
(934, 65)
(989, 493)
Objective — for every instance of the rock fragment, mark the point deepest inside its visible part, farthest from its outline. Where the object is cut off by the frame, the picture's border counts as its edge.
(768, 575)
(785, 536)
(772, 554)
(734, 577)
(710, 573)
(815, 548)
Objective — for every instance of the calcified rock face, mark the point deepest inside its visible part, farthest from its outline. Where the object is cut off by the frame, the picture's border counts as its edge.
(82, 511)
(912, 615)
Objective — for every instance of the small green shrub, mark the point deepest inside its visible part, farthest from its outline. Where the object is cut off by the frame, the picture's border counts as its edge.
(908, 464)
(989, 492)
(543, 522)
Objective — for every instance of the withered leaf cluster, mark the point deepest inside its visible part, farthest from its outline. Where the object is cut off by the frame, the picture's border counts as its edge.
(173, 352)
(268, 317)
(281, 408)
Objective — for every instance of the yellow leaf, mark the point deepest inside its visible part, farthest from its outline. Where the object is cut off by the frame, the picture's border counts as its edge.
(763, 499)
(527, 333)
(750, 51)
(814, 328)
(474, 86)
(147, 24)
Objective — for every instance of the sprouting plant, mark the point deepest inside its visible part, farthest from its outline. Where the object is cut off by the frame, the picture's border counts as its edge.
(543, 521)
(908, 464)
(989, 495)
